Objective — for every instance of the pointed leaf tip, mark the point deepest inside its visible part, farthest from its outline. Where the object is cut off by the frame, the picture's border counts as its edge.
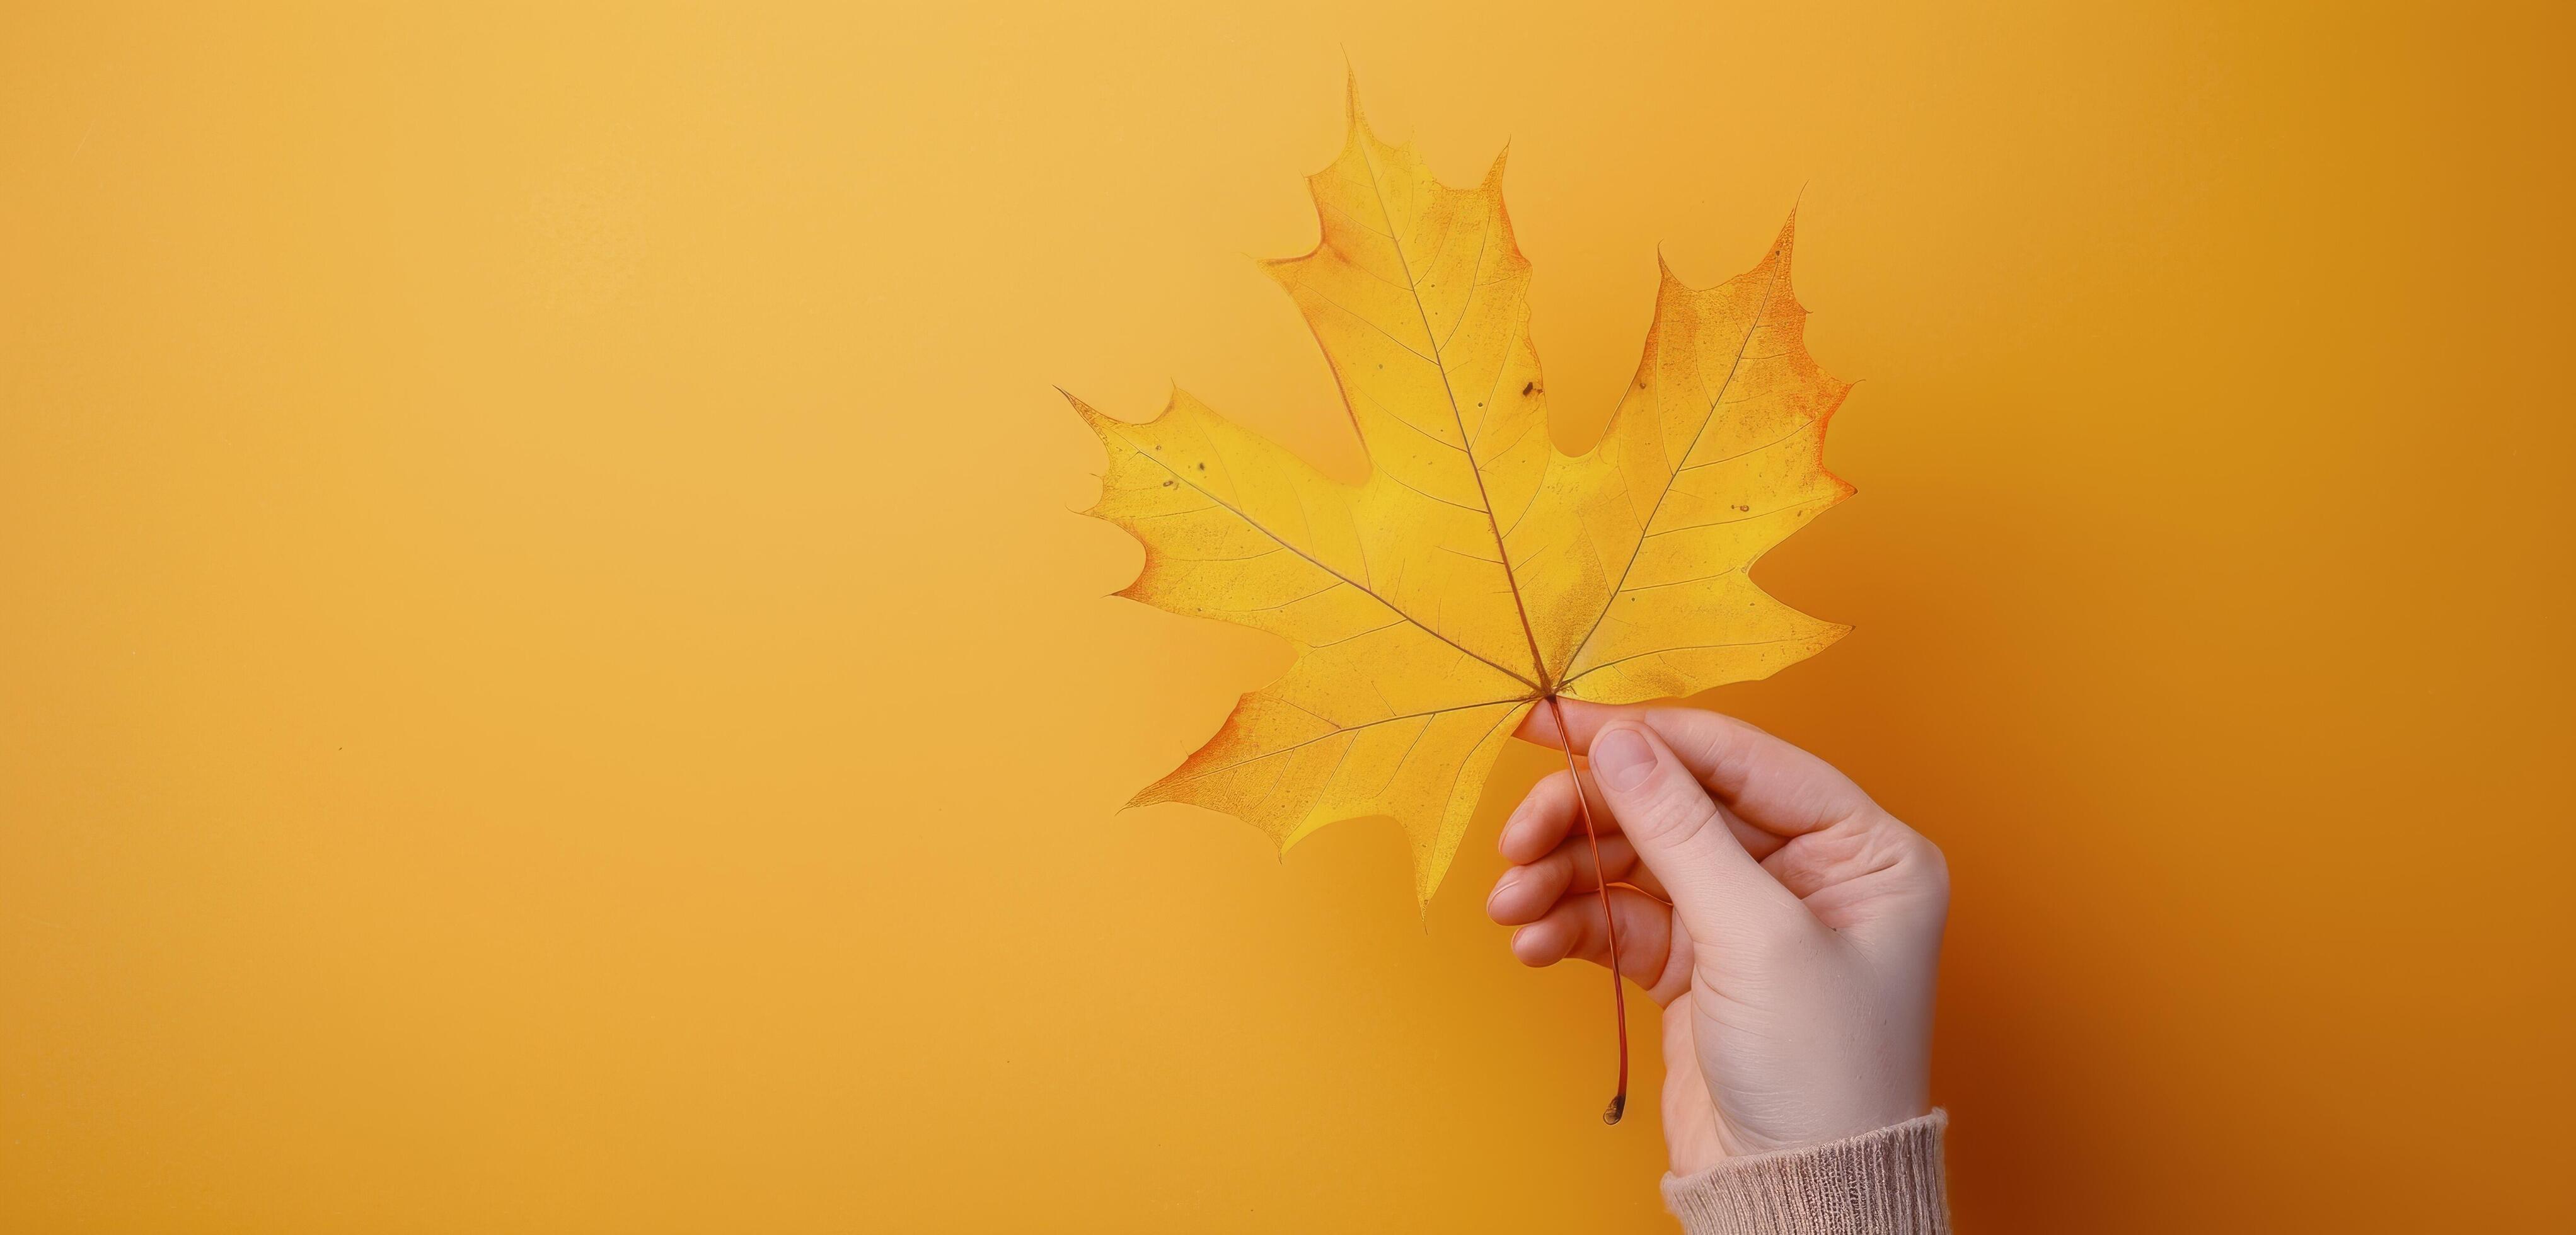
(1355, 115)
(1090, 415)
(1668, 280)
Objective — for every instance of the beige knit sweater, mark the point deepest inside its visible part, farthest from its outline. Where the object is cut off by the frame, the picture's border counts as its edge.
(1887, 1182)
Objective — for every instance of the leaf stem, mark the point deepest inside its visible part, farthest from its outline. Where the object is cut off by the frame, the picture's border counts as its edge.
(1601, 879)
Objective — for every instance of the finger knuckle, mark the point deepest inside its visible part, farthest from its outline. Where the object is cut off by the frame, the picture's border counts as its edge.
(1918, 850)
(1673, 820)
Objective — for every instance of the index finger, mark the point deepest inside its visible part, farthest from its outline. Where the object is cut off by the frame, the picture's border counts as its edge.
(1763, 780)
(1547, 816)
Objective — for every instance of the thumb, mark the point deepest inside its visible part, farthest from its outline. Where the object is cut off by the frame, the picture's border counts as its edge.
(1719, 892)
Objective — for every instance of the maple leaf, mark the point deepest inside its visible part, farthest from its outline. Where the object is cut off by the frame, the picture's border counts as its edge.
(1477, 571)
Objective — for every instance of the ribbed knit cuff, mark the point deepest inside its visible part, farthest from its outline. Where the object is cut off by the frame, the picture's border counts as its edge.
(1886, 1182)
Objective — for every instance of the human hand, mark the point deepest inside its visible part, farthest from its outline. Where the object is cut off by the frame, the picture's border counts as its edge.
(1788, 926)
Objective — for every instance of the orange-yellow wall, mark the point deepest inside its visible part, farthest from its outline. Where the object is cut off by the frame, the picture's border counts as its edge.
(548, 680)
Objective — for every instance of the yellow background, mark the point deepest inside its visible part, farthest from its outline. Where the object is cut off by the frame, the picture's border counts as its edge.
(548, 680)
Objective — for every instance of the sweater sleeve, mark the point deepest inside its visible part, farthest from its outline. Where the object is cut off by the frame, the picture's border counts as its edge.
(1887, 1182)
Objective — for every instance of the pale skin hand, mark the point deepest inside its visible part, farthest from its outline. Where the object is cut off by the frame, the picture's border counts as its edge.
(1788, 926)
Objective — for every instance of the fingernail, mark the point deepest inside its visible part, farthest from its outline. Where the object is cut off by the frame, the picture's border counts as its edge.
(1621, 759)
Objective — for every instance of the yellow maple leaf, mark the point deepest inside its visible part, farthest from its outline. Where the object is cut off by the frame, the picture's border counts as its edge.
(1477, 571)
